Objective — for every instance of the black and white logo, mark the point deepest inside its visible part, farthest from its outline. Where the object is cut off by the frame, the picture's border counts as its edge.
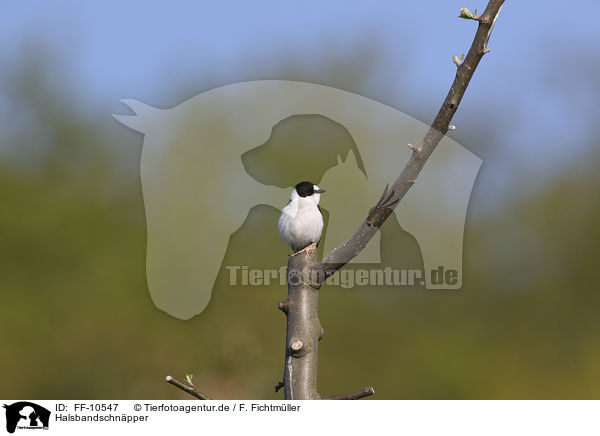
(26, 415)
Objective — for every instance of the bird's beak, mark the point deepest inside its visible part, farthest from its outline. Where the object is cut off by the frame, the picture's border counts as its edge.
(320, 191)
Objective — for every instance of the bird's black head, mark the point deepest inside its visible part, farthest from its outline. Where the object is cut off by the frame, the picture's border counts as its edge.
(305, 189)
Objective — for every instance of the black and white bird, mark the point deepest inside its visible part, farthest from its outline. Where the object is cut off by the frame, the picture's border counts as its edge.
(301, 221)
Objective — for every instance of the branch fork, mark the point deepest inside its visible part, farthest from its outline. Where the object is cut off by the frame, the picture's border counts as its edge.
(304, 329)
(303, 385)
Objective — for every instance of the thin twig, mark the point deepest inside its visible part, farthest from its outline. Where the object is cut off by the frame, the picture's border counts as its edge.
(354, 395)
(189, 389)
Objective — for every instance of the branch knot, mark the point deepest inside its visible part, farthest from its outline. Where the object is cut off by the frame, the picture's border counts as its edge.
(298, 348)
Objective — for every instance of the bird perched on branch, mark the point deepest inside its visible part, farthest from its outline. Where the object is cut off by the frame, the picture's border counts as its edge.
(301, 221)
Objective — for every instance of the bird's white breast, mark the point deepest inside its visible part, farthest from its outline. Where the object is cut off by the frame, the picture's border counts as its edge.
(301, 223)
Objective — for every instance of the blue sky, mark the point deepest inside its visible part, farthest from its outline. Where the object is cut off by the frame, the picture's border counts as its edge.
(132, 45)
(152, 50)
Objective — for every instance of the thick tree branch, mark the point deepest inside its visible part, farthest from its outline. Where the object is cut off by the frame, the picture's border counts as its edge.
(343, 254)
(189, 389)
(303, 330)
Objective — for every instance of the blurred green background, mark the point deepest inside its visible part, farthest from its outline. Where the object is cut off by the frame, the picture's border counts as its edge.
(76, 318)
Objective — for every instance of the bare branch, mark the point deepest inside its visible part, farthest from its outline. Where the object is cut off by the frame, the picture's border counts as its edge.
(354, 395)
(189, 389)
(303, 329)
(305, 275)
(343, 254)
